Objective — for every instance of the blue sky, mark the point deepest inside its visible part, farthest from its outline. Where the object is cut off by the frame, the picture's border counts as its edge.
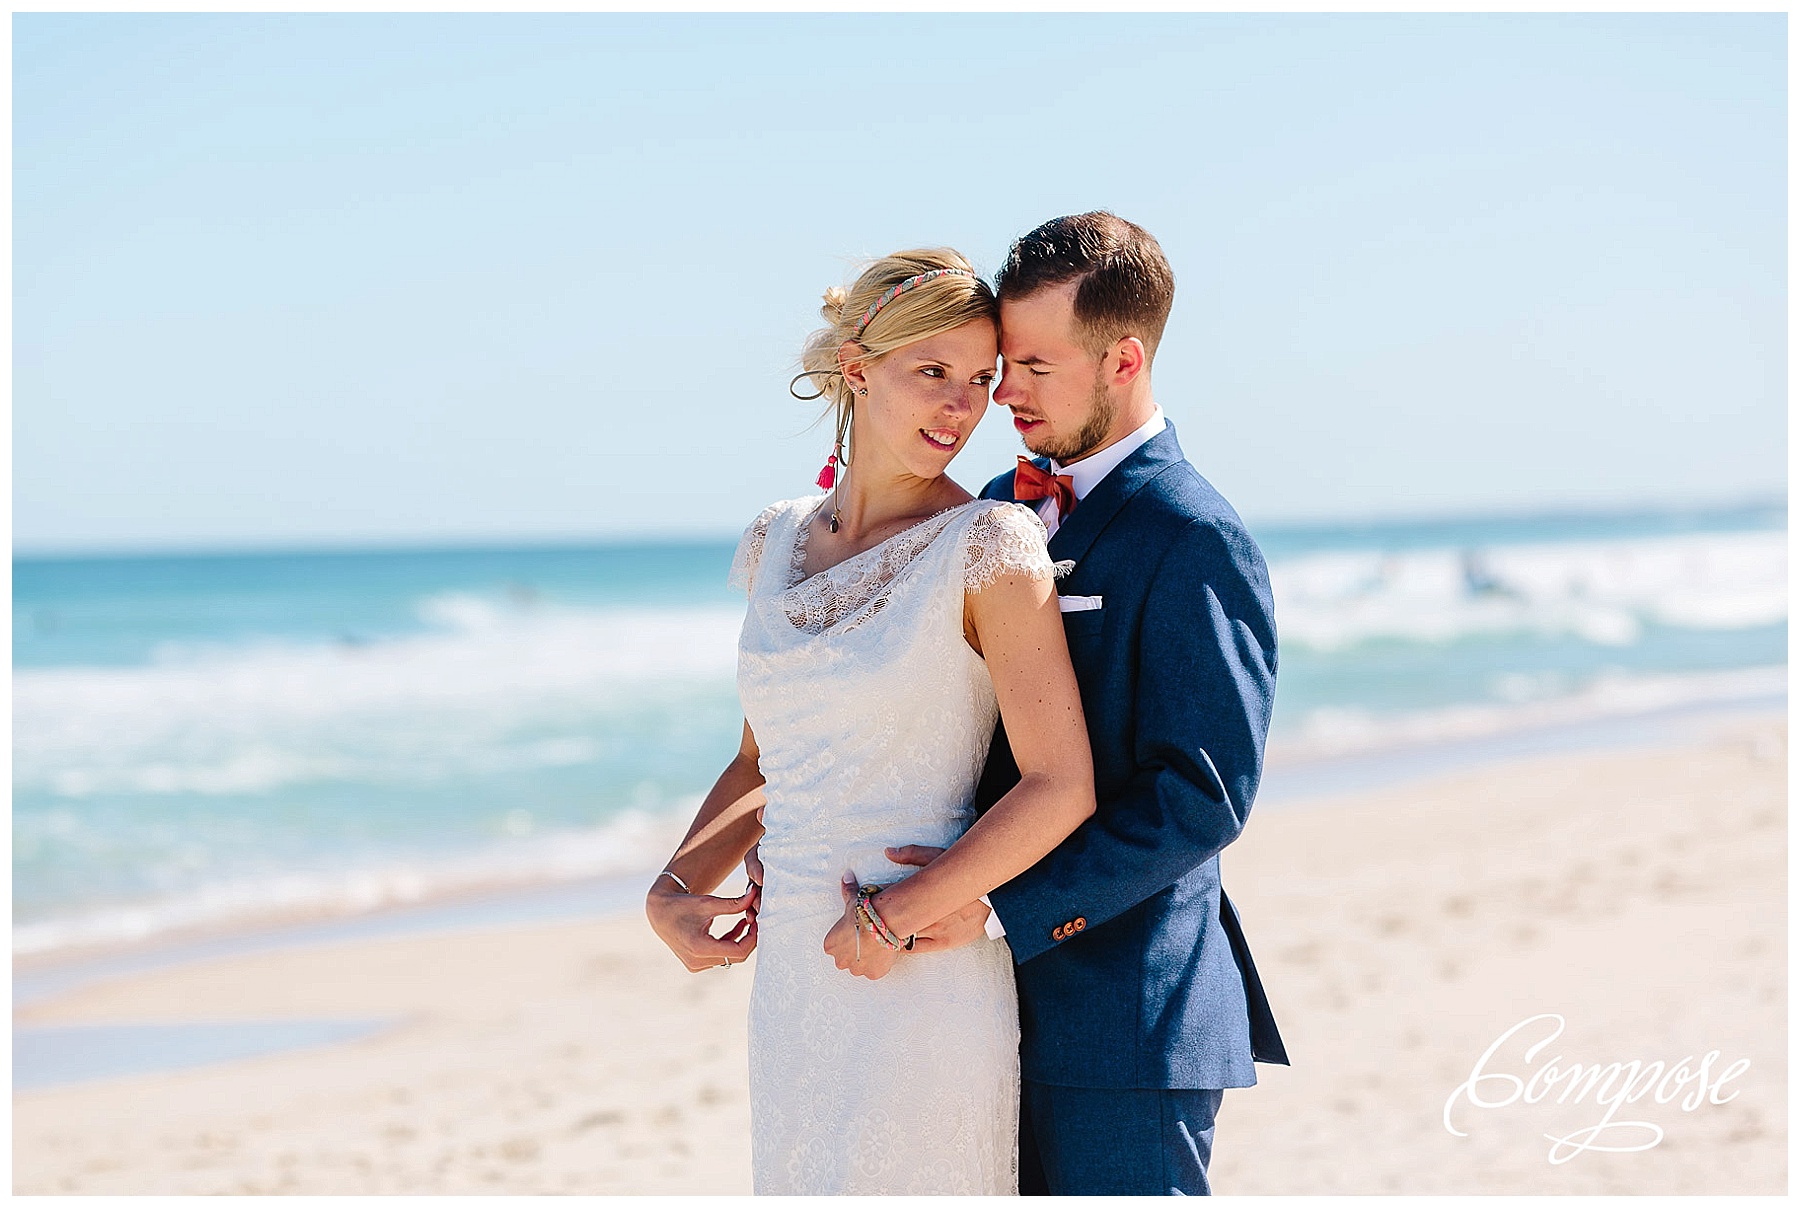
(342, 279)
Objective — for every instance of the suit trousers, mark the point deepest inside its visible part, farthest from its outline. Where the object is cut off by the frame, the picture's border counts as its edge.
(1076, 1140)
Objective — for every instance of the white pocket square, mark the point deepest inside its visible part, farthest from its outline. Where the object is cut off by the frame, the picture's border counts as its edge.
(1079, 603)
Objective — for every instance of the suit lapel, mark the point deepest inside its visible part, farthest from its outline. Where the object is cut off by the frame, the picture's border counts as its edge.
(1076, 534)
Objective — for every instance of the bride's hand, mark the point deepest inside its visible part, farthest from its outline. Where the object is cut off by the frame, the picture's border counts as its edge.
(753, 869)
(683, 921)
(842, 943)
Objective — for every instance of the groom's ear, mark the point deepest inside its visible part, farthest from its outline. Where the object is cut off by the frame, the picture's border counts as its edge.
(1127, 360)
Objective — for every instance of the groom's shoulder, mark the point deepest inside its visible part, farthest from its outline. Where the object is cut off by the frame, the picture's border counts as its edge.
(999, 487)
(1180, 502)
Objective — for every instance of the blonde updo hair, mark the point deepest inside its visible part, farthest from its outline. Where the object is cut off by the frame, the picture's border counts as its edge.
(930, 308)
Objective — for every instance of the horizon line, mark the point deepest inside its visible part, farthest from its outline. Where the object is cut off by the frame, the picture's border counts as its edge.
(423, 543)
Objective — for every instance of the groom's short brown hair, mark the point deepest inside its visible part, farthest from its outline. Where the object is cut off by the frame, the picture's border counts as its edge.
(1126, 286)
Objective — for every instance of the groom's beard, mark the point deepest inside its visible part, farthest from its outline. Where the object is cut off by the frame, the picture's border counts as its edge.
(1092, 432)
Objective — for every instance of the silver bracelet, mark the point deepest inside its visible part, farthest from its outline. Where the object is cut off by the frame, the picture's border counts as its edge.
(684, 885)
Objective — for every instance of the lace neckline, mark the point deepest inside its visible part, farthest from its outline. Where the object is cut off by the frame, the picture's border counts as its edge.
(797, 558)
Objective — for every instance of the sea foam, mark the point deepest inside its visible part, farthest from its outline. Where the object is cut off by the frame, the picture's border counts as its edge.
(1605, 592)
(1329, 731)
(630, 843)
(230, 720)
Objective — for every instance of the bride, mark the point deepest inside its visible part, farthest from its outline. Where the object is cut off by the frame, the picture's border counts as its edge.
(890, 621)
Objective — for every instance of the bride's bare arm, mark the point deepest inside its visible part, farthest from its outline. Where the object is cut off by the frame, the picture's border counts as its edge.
(725, 828)
(1019, 627)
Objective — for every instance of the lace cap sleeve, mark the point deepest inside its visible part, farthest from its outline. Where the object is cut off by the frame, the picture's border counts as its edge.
(1008, 538)
(750, 550)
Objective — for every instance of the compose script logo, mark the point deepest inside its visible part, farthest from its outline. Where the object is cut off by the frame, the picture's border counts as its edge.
(1610, 1087)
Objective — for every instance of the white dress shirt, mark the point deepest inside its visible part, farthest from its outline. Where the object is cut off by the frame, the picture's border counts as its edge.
(1087, 474)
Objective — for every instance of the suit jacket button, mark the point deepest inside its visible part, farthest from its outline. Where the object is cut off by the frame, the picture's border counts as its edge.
(1079, 924)
(1057, 934)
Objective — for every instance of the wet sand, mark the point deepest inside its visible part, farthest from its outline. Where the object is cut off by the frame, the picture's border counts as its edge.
(1639, 894)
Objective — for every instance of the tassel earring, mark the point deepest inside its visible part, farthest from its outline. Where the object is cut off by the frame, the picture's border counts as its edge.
(830, 479)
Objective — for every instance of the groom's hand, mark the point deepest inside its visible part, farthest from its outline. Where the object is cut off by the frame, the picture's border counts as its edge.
(954, 930)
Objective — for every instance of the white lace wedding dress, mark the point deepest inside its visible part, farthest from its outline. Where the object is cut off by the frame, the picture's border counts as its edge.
(873, 718)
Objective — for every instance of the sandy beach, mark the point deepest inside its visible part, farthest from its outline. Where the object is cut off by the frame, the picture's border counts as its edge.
(1638, 894)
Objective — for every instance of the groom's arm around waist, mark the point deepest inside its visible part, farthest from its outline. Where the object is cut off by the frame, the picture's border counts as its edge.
(1204, 685)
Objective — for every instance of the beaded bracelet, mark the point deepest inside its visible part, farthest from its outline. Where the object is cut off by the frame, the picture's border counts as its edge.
(884, 933)
(866, 910)
(861, 916)
(865, 915)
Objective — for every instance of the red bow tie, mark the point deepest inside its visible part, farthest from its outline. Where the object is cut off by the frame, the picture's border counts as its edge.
(1033, 483)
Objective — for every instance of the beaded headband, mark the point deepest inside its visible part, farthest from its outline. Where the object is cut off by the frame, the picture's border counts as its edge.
(910, 283)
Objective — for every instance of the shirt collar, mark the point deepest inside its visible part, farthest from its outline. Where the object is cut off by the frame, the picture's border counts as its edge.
(1090, 470)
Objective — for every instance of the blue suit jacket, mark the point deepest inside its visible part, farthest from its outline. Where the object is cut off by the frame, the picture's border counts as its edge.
(1132, 968)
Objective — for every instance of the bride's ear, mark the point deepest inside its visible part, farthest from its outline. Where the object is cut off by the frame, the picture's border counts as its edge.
(850, 362)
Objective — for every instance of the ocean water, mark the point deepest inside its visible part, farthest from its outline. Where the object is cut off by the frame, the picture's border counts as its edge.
(198, 740)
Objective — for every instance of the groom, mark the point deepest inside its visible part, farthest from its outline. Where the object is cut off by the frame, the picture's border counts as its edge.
(1138, 999)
